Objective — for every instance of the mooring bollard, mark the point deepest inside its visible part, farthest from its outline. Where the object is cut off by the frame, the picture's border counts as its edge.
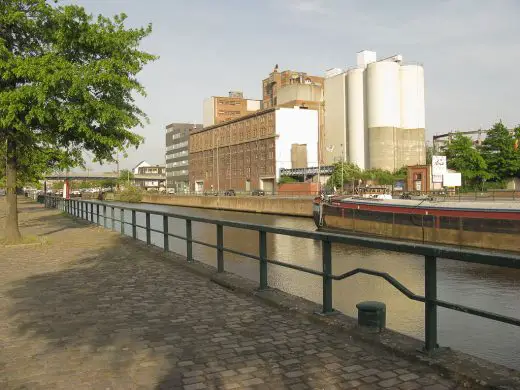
(372, 315)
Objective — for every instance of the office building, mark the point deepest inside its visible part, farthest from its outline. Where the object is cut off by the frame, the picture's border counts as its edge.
(177, 139)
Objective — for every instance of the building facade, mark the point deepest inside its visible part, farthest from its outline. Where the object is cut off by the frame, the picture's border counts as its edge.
(247, 153)
(272, 86)
(219, 109)
(177, 150)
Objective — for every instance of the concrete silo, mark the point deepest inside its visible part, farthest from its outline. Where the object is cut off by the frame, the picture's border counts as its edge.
(383, 113)
(356, 116)
(410, 139)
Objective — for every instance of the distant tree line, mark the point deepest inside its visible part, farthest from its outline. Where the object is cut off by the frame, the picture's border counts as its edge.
(489, 165)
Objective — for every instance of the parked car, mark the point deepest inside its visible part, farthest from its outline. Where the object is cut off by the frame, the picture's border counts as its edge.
(230, 193)
(210, 193)
(258, 193)
(2, 192)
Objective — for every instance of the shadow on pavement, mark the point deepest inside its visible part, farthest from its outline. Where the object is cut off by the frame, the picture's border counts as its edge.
(138, 315)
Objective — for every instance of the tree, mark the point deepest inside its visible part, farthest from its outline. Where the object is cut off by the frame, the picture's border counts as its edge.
(67, 84)
(462, 157)
(430, 151)
(125, 176)
(343, 173)
(58, 185)
(499, 153)
(382, 176)
(105, 183)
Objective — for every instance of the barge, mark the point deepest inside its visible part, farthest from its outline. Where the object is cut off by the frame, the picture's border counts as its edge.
(489, 225)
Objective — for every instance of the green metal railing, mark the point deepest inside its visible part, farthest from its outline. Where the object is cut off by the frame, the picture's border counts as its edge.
(80, 209)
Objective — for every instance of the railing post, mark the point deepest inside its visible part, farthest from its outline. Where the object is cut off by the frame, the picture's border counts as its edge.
(97, 213)
(134, 225)
(326, 254)
(122, 220)
(262, 249)
(220, 248)
(166, 237)
(113, 217)
(430, 293)
(189, 244)
(92, 212)
(148, 231)
(82, 210)
(105, 216)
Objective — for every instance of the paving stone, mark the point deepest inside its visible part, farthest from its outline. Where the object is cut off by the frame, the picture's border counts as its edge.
(252, 382)
(195, 386)
(294, 374)
(370, 379)
(408, 377)
(92, 309)
(409, 386)
(389, 382)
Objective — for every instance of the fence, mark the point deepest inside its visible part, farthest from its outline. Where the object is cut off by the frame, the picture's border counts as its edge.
(80, 209)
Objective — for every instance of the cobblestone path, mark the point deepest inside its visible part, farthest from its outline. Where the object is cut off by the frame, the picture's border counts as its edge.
(91, 310)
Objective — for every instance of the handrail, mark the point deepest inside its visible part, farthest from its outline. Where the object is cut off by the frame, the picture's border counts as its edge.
(80, 208)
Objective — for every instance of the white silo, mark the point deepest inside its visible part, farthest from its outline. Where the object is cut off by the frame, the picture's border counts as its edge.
(356, 116)
(383, 113)
(410, 140)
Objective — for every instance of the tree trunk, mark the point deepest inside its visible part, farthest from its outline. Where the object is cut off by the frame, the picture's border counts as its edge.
(12, 233)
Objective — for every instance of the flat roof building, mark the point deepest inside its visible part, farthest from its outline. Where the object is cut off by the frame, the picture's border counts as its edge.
(177, 162)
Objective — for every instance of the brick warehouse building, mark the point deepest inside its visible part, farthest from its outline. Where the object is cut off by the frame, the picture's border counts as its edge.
(247, 153)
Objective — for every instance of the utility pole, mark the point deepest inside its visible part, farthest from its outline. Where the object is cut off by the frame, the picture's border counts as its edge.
(218, 171)
(342, 168)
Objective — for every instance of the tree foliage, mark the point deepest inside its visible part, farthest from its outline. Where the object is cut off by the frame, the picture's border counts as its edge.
(500, 152)
(287, 179)
(381, 176)
(344, 172)
(67, 84)
(125, 176)
(463, 157)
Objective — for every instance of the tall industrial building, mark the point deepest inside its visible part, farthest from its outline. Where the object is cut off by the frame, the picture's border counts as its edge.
(218, 109)
(247, 153)
(177, 150)
(375, 113)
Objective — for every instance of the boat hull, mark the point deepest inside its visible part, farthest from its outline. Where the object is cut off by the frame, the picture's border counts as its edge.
(490, 228)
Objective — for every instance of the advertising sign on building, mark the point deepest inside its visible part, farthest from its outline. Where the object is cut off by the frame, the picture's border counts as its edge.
(453, 179)
(438, 168)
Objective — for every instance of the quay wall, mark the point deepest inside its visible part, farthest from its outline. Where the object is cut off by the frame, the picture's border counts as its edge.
(253, 204)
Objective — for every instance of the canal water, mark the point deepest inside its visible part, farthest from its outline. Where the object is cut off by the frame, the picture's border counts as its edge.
(490, 288)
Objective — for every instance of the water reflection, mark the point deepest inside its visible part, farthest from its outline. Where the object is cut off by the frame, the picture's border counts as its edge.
(489, 288)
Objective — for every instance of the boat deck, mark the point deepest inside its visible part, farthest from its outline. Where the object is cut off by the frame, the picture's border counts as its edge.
(508, 206)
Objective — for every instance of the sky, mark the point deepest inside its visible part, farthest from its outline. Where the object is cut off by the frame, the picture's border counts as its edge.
(470, 50)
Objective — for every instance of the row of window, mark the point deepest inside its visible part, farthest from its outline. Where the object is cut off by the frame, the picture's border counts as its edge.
(184, 172)
(177, 146)
(176, 154)
(229, 102)
(180, 163)
(178, 135)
